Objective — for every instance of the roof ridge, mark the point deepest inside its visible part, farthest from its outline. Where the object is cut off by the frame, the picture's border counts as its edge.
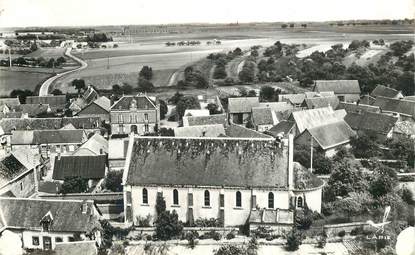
(40, 199)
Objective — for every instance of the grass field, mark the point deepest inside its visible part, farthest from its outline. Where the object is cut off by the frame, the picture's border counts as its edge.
(10, 80)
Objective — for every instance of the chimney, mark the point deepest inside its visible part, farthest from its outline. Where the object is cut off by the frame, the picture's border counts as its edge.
(290, 162)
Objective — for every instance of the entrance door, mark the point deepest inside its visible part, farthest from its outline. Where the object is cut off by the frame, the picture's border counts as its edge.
(47, 243)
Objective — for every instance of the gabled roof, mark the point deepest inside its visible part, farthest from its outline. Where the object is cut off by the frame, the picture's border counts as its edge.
(338, 86)
(263, 116)
(103, 102)
(36, 137)
(27, 157)
(340, 114)
(319, 102)
(242, 104)
(400, 106)
(59, 100)
(33, 110)
(205, 120)
(10, 115)
(10, 168)
(237, 131)
(352, 107)
(369, 121)
(384, 91)
(332, 134)
(95, 145)
(82, 122)
(207, 162)
(140, 101)
(313, 117)
(89, 95)
(26, 213)
(283, 127)
(292, 98)
(87, 167)
(277, 106)
(200, 131)
(9, 101)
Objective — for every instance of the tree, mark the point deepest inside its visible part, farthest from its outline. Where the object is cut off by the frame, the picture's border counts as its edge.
(403, 149)
(383, 182)
(219, 72)
(167, 224)
(231, 249)
(127, 88)
(74, 185)
(145, 85)
(79, 85)
(116, 89)
(176, 98)
(146, 72)
(364, 146)
(186, 102)
(266, 93)
(163, 109)
(401, 47)
(166, 132)
(113, 181)
(21, 94)
(294, 240)
(213, 108)
(57, 92)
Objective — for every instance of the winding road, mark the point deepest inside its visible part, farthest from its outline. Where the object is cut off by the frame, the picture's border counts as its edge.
(44, 88)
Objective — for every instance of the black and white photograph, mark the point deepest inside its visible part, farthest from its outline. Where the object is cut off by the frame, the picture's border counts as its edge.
(220, 127)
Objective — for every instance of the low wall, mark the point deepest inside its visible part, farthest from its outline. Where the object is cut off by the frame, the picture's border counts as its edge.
(200, 230)
(334, 229)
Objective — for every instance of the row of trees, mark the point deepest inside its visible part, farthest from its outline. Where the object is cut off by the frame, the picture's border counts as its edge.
(36, 62)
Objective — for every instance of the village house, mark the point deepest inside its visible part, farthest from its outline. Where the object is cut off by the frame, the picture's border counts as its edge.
(89, 96)
(240, 109)
(98, 108)
(282, 129)
(138, 114)
(358, 107)
(263, 118)
(295, 99)
(373, 124)
(345, 90)
(19, 173)
(404, 109)
(96, 145)
(30, 110)
(223, 178)
(384, 91)
(205, 120)
(41, 223)
(327, 137)
(56, 103)
(320, 102)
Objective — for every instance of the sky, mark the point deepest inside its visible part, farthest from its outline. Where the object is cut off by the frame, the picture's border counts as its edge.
(20, 13)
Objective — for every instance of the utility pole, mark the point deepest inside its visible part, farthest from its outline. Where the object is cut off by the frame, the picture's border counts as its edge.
(10, 57)
(108, 62)
(311, 153)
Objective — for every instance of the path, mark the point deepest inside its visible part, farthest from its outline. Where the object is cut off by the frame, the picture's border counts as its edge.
(44, 88)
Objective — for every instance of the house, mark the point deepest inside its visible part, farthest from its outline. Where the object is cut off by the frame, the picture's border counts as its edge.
(263, 118)
(117, 153)
(48, 142)
(370, 123)
(277, 106)
(85, 99)
(358, 107)
(196, 112)
(345, 90)
(384, 91)
(312, 118)
(240, 108)
(320, 102)
(56, 103)
(327, 137)
(200, 131)
(19, 173)
(221, 178)
(31, 110)
(91, 168)
(98, 108)
(282, 129)
(238, 131)
(404, 108)
(96, 145)
(295, 99)
(135, 114)
(205, 120)
(42, 223)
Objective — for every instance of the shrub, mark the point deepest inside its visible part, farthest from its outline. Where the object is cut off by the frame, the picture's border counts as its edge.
(261, 232)
(230, 236)
(211, 235)
(212, 222)
(144, 221)
(191, 237)
(341, 233)
(408, 196)
(294, 240)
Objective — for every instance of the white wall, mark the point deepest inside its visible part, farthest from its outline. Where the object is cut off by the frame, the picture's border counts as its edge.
(312, 198)
(27, 238)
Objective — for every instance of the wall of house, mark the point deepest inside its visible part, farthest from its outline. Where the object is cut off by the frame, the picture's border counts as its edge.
(129, 118)
(351, 98)
(233, 117)
(233, 216)
(28, 241)
(94, 110)
(263, 128)
(21, 187)
(311, 197)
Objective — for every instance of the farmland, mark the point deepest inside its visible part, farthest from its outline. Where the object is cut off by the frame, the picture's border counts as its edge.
(20, 79)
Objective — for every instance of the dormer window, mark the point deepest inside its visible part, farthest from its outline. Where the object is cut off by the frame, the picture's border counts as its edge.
(46, 221)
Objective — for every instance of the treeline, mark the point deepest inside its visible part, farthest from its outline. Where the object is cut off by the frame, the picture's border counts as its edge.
(35, 62)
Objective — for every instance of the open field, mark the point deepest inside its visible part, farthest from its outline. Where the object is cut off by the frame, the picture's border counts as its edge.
(47, 53)
(19, 79)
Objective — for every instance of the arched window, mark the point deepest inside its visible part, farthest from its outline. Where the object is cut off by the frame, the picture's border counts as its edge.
(207, 198)
(299, 202)
(145, 196)
(175, 197)
(238, 199)
(271, 200)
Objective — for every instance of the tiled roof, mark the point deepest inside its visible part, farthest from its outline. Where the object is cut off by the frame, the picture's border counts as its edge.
(338, 86)
(33, 110)
(87, 167)
(410, 98)
(292, 98)
(284, 127)
(141, 102)
(200, 131)
(237, 131)
(36, 137)
(405, 127)
(11, 115)
(401, 106)
(320, 102)
(369, 121)
(10, 168)
(27, 157)
(95, 145)
(25, 213)
(277, 106)
(242, 104)
(331, 135)
(9, 101)
(89, 95)
(313, 117)
(269, 216)
(104, 103)
(207, 162)
(384, 91)
(340, 114)
(352, 107)
(263, 116)
(205, 120)
(51, 100)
